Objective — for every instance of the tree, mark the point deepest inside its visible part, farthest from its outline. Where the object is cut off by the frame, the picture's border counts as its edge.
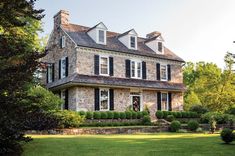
(19, 54)
(209, 85)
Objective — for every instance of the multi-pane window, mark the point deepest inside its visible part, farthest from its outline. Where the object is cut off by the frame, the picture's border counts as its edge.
(49, 74)
(136, 68)
(63, 42)
(101, 36)
(63, 67)
(164, 101)
(160, 46)
(104, 66)
(163, 72)
(63, 96)
(104, 99)
(133, 41)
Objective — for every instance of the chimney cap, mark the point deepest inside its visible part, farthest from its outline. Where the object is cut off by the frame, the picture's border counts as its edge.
(153, 34)
(61, 12)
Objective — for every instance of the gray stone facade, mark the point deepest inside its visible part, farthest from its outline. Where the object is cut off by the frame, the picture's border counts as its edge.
(81, 61)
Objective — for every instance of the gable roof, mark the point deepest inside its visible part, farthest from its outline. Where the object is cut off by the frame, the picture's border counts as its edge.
(79, 35)
(99, 24)
(127, 32)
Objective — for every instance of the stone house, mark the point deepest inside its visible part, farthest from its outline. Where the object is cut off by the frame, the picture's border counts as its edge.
(94, 69)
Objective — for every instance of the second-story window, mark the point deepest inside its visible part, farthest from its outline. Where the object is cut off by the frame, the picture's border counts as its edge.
(136, 69)
(133, 42)
(104, 65)
(63, 68)
(62, 42)
(101, 36)
(50, 73)
(163, 72)
(160, 47)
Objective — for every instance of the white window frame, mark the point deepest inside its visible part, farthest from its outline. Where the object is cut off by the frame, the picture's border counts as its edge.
(167, 101)
(106, 89)
(63, 40)
(62, 96)
(62, 71)
(141, 100)
(136, 69)
(98, 36)
(102, 56)
(49, 74)
(161, 72)
(130, 42)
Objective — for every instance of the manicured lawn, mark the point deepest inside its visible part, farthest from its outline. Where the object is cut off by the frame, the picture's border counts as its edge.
(161, 144)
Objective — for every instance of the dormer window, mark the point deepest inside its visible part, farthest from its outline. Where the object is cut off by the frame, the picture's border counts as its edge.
(98, 33)
(160, 46)
(133, 42)
(101, 36)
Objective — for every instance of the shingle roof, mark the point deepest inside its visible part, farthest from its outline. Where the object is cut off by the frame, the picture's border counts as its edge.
(117, 82)
(79, 34)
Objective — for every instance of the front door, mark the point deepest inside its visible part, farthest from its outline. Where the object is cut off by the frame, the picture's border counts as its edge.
(136, 102)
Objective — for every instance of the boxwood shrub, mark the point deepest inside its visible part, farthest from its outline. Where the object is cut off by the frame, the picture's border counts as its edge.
(170, 118)
(227, 135)
(134, 115)
(175, 126)
(96, 115)
(193, 125)
(146, 120)
(145, 113)
(82, 113)
(103, 115)
(159, 114)
(139, 115)
(165, 113)
(116, 115)
(110, 115)
(89, 115)
(122, 115)
(128, 114)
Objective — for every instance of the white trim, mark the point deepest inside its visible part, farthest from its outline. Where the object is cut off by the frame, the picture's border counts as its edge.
(135, 48)
(136, 69)
(98, 35)
(167, 101)
(61, 68)
(166, 72)
(141, 100)
(104, 56)
(106, 89)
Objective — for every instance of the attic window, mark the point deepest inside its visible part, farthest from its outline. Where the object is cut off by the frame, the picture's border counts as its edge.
(101, 36)
(160, 46)
(133, 42)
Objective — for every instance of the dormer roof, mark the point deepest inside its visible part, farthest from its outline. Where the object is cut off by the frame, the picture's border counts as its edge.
(99, 25)
(131, 32)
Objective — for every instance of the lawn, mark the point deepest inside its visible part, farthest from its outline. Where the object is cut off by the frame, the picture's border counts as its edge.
(162, 144)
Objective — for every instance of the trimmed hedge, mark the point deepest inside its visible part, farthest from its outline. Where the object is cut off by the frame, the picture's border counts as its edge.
(193, 125)
(219, 118)
(182, 114)
(159, 114)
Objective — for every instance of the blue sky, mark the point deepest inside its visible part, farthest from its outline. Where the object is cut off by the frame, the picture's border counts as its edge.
(196, 30)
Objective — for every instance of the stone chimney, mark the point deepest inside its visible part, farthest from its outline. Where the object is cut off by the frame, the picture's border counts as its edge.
(153, 34)
(62, 17)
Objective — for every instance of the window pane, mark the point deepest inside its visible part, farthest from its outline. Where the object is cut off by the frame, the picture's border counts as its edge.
(104, 95)
(138, 69)
(49, 73)
(101, 36)
(63, 67)
(132, 42)
(163, 72)
(160, 46)
(164, 101)
(132, 69)
(104, 65)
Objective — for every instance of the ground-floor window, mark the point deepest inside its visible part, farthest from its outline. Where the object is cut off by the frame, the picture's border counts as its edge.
(64, 97)
(104, 99)
(136, 102)
(164, 101)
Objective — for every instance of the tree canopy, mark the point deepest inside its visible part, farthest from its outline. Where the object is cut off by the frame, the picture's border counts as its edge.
(209, 86)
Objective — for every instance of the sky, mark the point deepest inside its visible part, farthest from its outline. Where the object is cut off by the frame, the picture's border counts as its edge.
(196, 30)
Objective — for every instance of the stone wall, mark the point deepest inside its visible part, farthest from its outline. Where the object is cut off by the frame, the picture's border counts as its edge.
(85, 64)
(177, 101)
(150, 101)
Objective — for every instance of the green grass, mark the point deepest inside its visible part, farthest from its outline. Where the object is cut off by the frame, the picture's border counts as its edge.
(161, 144)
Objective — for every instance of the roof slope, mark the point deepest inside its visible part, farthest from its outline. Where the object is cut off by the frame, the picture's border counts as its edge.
(79, 34)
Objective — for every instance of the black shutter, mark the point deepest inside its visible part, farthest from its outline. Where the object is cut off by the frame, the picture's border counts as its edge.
(111, 66)
(47, 74)
(159, 102)
(111, 97)
(128, 68)
(158, 71)
(59, 69)
(144, 72)
(67, 66)
(96, 61)
(66, 103)
(53, 72)
(61, 42)
(169, 72)
(97, 99)
(169, 102)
